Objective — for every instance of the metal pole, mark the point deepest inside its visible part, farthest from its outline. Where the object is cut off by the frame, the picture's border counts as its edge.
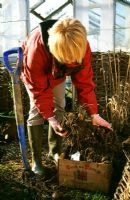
(114, 24)
(27, 17)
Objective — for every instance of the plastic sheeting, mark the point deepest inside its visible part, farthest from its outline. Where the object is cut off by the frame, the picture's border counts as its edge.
(107, 23)
(16, 21)
(14, 25)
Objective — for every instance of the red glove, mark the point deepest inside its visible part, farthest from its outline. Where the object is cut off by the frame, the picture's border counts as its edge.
(99, 121)
(57, 127)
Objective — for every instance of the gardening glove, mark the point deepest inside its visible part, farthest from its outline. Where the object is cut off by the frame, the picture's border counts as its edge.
(99, 121)
(57, 127)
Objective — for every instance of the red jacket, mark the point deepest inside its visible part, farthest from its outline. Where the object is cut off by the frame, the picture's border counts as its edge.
(38, 78)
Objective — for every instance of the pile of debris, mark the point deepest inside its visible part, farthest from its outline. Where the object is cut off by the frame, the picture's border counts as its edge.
(90, 143)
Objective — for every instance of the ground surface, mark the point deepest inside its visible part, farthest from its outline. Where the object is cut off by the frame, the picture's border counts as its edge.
(13, 187)
(94, 143)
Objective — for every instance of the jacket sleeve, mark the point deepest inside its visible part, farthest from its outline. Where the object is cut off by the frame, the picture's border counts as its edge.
(34, 76)
(83, 82)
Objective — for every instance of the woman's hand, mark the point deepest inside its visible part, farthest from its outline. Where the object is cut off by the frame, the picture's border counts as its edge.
(99, 121)
(57, 127)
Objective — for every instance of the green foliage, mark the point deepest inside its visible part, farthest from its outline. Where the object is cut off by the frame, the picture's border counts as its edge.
(82, 195)
(98, 196)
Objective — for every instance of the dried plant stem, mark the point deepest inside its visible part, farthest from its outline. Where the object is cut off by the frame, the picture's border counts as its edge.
(104, 79)
(111, 73)
(115, 74)
(118, 74)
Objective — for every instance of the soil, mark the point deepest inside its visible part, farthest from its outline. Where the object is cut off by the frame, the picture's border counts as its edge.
(95, 144)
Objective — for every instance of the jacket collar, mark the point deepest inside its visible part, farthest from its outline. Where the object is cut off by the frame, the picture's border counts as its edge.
(44, 26)
(59, 70)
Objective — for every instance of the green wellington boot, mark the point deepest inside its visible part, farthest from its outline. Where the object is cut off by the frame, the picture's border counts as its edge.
(55, 143)
(35, 135)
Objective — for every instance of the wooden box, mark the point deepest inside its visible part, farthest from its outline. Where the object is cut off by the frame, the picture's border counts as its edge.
(83, 175)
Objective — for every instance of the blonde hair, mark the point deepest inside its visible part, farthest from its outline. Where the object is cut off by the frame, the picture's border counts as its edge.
(67, 40)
